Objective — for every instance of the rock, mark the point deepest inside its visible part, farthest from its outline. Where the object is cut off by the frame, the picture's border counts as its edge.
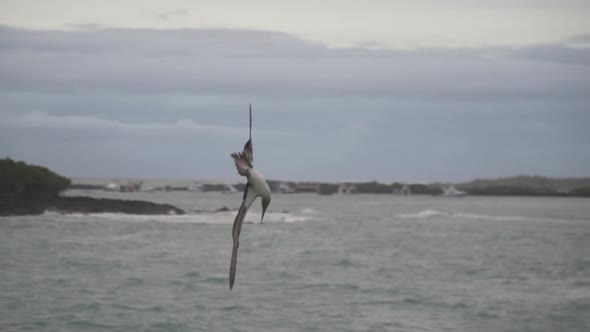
(83, 205)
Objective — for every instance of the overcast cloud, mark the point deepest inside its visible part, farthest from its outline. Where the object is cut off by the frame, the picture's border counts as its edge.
(153, 101)
(271, 64)
(342, 23)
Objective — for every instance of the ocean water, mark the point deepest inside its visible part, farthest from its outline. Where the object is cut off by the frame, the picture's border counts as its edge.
(317, 263)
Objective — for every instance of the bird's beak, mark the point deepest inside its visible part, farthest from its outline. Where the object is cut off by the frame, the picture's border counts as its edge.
(262, 215)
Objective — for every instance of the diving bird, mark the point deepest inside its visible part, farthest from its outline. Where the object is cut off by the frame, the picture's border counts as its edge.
(256, 187)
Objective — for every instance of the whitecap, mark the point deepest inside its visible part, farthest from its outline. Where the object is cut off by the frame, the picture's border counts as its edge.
(198, 218)
(309, 211)
(423, 214)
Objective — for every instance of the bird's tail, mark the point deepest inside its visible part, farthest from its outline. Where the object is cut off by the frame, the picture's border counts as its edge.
(236, 230)
(234, 262)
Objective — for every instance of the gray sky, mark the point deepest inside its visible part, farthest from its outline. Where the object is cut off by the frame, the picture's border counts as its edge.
(347, 90)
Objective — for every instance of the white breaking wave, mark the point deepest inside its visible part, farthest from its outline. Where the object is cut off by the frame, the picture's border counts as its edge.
(200, 218)
(425, 214)
(309, 211)
(254, 217)
(483, 216)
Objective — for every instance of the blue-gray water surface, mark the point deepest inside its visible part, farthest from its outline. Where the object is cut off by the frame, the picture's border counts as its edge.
(317, 263)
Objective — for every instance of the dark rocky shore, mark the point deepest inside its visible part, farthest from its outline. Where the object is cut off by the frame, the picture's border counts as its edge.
(35, 206)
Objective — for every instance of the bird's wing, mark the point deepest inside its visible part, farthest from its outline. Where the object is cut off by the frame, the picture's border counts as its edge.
(249, 197)
(242, 163)
(248, 150)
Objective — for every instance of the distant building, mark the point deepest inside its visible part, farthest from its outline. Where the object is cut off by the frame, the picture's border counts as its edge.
(406, 191)
(306, 187)
(113, 186)
(347, 188)
(131, 186)
(285, 188)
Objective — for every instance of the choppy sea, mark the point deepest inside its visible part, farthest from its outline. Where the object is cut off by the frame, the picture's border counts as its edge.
(317, 263)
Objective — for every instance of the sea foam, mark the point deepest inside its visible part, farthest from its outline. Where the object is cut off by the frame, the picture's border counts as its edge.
(427, 214)
(226, 217)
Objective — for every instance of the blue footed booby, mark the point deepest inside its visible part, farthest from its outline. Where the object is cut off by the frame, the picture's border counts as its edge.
(256, 187)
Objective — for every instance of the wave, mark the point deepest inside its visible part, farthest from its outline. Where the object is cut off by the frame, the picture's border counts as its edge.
(422, 214)
(199, 218)
(425, 214)
(309, 211)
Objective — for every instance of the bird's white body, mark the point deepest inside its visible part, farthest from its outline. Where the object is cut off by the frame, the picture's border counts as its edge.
(258, 184)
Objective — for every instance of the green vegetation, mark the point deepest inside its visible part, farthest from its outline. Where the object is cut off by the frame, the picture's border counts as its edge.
(512, 191)
(19, 180)
(538, 185)
(422, 189)
(373, 187)
(580, 191)
(327, 189)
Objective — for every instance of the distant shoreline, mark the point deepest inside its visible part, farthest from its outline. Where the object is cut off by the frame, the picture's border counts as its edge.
(31, 190)
(535, 186)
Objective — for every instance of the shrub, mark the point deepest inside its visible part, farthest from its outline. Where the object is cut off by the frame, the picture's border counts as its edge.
(17, 179)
